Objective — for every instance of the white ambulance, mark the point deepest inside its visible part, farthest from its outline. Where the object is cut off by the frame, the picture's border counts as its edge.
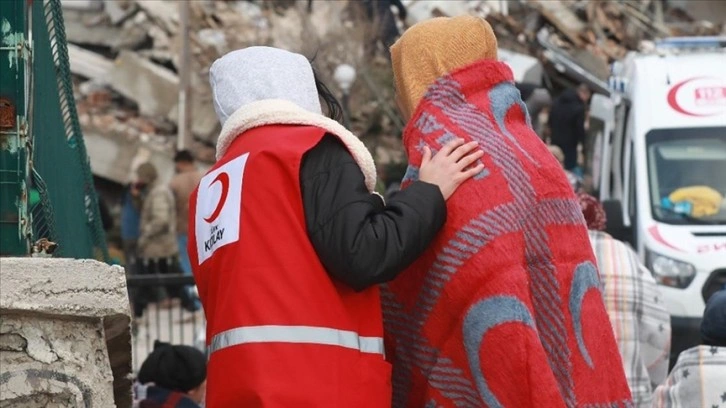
(660, 169)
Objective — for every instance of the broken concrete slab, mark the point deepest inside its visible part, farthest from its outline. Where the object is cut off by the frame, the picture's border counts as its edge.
(151, 86)
(85, 5)
(41, 286)
(57, 334)
(88, 64)
(205, 124)
(79, 31)
(119, 10)
(106, 36)
(524, 67)
(114, 157)
(204, 121)
(166, 13)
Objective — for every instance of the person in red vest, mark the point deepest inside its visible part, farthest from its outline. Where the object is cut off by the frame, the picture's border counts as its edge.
(504, 308)
(287, 240)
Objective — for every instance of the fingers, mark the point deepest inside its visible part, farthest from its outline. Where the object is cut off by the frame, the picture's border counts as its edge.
(473, 171)
(426, 156)
(466, 175)
(463, 150)
(470, 158)
(449, 147)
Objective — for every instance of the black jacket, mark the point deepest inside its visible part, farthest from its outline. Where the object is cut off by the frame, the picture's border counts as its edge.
(359, 240)
(567, 119)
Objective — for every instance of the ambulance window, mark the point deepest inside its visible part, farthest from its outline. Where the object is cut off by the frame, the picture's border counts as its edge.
(685, 175)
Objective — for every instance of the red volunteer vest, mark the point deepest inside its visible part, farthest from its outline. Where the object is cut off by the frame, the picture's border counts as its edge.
(280, 331)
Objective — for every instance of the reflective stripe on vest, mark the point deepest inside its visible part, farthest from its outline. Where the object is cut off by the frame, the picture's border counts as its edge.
(296, 334)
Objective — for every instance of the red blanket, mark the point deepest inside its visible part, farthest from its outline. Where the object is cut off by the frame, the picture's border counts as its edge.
(504, 309)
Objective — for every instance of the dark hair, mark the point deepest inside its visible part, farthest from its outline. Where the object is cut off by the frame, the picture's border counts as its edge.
(584, 88)
(335, 111)
(183, 156)
(713, 324)
(174, 367)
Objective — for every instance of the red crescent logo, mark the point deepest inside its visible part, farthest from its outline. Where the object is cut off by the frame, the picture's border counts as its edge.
(659, 238)
(673, 102)
(223, 179)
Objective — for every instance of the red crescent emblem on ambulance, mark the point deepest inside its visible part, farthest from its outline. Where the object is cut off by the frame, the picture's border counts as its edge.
(223, 179)
(718, 92)
(653, 230)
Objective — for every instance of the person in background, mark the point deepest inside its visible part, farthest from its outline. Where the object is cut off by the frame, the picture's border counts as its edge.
(538, 100)
(105, 213)
(567, 123)
(158, 249)
(640, 320)
(130, 233)
(380, 13)
(698, 380)
(183, 183)
(172, 376)
(131, 226)
(575, 181)
(288, 240)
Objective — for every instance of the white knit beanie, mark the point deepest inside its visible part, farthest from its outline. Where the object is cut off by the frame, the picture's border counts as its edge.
(258, 73)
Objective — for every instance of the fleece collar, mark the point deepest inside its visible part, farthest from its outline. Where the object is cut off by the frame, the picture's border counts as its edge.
(281, 112)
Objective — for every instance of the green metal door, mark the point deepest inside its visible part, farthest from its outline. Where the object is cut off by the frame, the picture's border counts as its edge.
(15, 222)
(48, 189)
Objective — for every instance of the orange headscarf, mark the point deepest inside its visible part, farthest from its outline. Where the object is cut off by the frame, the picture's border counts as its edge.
(433, 48)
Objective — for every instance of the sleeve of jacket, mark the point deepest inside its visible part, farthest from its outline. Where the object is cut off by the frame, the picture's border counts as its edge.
(360, 240)
(579, 122)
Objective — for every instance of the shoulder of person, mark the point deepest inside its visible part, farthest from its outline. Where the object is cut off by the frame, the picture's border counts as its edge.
(197, 175)
(330, 152)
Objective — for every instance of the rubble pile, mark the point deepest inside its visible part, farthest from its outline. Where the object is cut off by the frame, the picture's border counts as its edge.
(125, 58)
(594, 33)
(125, 54)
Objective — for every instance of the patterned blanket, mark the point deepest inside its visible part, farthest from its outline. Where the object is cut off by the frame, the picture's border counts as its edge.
(504, 309)
(698, 380)
(638, 314)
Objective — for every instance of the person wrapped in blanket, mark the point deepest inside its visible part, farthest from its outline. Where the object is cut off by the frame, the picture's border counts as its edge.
(698, 380)
(504, 308)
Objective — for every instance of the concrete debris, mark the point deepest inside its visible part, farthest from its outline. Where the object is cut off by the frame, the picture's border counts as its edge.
(151, 86)
(593, 34)
(132, 49)
(85, 5)
(119, 10)
(88, 64)
(12, 342)
(563, 19)
(165, 13)
(64, 338)
(214, 38)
